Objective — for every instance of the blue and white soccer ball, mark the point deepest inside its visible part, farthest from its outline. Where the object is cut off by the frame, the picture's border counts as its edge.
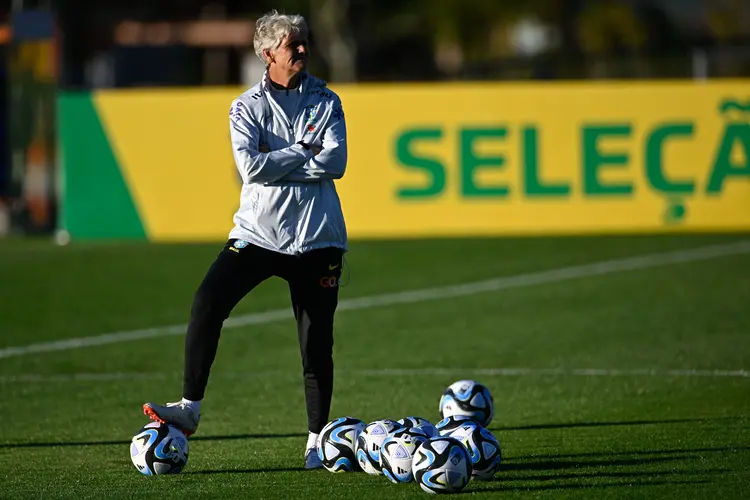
(369, 442)
(420, 422)
(336, 444)
(450, 424)
(442, 465)
(470, 398)
(483, 447)
(159, 449)
(397, 452)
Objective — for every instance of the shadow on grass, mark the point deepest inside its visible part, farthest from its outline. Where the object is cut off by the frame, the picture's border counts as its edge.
(125, 442)
(549, 475)
(575, 464)
(585, 486)
(574, 425)
(494, 429)
(598, 454)
(246, 471)
(504, 478)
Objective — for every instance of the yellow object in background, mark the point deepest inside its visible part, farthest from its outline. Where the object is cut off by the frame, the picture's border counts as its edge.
(465, 159)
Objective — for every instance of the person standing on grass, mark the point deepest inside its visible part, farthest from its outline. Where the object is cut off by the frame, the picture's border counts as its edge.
(288, 136)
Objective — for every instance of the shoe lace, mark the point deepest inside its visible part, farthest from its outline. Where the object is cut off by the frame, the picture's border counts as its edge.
(181, 405)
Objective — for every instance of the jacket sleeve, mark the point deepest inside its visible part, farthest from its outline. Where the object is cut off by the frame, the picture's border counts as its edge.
(330, 163)
(254, 166)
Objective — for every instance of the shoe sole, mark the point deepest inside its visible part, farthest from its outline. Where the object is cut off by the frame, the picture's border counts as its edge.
(150, 413)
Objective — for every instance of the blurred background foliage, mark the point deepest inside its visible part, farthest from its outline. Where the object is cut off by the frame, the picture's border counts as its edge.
(408, 40)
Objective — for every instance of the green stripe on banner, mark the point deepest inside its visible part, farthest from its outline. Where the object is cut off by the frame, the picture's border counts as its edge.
(96, 201)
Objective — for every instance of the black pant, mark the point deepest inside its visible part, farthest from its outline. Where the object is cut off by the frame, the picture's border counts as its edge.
(313, 285)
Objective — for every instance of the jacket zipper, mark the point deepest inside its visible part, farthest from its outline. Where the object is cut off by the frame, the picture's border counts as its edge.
(298, 109)
(296, 245)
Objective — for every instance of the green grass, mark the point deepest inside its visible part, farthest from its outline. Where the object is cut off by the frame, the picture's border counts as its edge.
(564, 434)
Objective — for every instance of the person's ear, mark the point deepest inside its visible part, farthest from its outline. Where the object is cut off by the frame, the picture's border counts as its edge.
(268, 56)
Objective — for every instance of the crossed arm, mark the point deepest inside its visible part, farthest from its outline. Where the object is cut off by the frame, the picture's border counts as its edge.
(257, 164)
(329, 160)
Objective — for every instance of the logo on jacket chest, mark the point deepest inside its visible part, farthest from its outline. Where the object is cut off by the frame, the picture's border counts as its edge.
(312, 114)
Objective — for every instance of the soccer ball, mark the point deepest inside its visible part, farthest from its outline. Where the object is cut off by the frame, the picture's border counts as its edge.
(484, 450)
(336, 443)
(465, 427)
(397, 452)
(420, 422)
(442, 465)
(369, 442)
(450, 424)
(430, 429)
(470, 398)
(159, 449)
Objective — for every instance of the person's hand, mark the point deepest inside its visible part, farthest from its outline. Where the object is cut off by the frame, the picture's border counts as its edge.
(264, 148)
(316, 150)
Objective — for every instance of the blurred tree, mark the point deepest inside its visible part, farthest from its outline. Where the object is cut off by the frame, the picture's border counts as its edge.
(329, 21)
(608, 25)
(467, 31)
(610, 31)
(724, 19)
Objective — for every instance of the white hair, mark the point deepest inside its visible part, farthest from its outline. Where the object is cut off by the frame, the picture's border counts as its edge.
(272, 27)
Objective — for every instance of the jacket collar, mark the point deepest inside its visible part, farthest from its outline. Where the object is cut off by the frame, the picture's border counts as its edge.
(307, 82)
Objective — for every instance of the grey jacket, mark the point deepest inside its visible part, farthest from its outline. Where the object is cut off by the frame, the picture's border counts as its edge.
(288, 202)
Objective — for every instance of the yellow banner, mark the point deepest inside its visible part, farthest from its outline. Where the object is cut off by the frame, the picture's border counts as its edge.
(466, 159)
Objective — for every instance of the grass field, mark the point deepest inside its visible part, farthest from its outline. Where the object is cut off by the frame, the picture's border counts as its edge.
(621, 381)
